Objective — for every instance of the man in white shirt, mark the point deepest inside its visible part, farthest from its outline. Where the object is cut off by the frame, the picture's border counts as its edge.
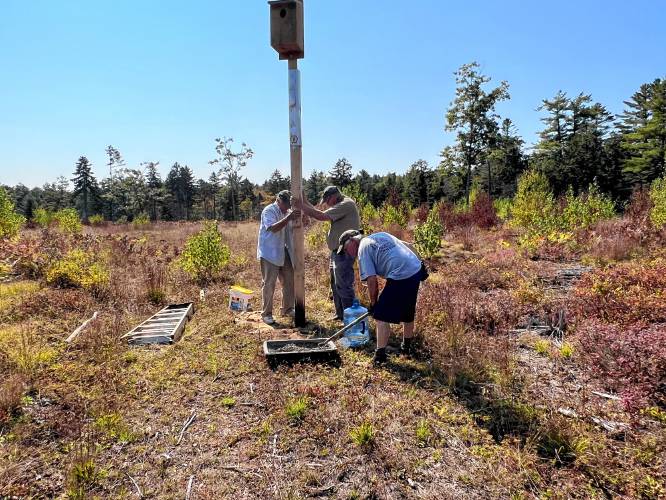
(274, 250)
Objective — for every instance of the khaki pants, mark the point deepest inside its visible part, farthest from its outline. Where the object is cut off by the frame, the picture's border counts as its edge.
(269, 275)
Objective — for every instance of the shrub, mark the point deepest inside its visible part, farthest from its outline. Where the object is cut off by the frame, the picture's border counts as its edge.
(421, 213)
(369, 218)
(581, 212)
(483, 212)
(658, 198)
(141, 220)
(428, 235)
(628, 359)
(452, 217)
(503, 207)
(42, 217)
(68, 220)
(533, 206)
(623, 294)
(316, 235)
(205, 256)
(78, 269)
(96, 220)
(398, 215)
(10, 221)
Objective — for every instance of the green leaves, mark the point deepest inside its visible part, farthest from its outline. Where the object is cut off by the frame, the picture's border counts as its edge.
(428, 236)
(205, 256)
(10, 221)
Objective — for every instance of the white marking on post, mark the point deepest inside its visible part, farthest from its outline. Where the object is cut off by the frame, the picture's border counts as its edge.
(295, 107)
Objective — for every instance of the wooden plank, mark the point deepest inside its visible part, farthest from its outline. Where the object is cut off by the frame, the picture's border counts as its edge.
(296, 158)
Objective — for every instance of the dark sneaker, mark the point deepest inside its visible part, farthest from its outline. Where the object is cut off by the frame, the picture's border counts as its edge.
(407, 347)
(380, 357)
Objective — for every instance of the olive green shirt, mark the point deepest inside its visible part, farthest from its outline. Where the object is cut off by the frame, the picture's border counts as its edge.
(344, 216)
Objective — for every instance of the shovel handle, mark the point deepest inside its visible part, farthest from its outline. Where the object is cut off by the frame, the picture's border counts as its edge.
(340, 332)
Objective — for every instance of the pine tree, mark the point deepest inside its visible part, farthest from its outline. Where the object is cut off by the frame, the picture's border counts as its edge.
(417, 183)
(506, 161)
(472, 116)
(155, 187)
(644, 133)
(341, 173)
(277, 182)
(315, 185)
(85, 185)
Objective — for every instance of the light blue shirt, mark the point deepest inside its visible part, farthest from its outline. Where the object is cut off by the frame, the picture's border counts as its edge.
(271, 246)
(382, 254)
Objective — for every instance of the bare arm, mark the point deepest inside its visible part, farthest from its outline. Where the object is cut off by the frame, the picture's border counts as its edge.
(373, 289)
(308, 209)
(279, 225)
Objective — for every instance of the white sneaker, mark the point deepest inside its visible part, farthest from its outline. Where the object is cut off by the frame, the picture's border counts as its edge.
(289, 314)
(268, 319)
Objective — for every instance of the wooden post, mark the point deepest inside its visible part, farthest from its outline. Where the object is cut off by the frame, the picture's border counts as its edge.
(296, 155)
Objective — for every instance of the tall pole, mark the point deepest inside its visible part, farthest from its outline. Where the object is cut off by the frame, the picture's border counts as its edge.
(296, 156)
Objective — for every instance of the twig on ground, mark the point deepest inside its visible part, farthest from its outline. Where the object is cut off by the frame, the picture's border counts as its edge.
(239, 470)
(76, 332)
(185, 426)
(607, 396)
(190, 483)
(138, 490)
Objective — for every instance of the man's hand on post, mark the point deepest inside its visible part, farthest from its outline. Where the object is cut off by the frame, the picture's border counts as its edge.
(294, 214)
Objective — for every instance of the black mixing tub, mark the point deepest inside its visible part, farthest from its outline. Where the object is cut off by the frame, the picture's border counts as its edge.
(299, 351)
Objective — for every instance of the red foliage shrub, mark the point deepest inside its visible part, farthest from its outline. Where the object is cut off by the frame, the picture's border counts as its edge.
(638, 208)
(421, 213)
(629, 359)
(451, 219)
(623, 294)
(613, 240)
(620, 316)
(483, 212)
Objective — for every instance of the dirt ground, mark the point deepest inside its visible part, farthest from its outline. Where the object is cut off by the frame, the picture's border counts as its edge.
(207, 417)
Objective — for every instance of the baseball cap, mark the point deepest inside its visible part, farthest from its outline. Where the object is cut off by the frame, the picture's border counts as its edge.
(329, 191)
(285, 196)
(345, 237)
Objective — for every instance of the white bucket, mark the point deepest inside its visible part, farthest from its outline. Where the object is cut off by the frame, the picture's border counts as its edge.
(239, 298)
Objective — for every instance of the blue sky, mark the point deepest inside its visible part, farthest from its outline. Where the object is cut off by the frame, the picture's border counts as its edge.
(160, 80)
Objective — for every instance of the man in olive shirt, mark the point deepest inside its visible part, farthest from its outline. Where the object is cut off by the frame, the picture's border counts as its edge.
(342, 213)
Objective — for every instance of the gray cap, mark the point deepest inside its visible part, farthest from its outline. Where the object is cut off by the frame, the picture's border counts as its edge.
(329, 191)
(285, 196)
(345, 237)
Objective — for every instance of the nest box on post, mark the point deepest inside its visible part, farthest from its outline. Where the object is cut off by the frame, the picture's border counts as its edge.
(287, 28)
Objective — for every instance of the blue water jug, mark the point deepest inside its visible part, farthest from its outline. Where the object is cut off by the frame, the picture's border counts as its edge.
(359, 335)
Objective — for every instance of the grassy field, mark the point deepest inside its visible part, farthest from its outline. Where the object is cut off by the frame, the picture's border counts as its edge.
(506, 398)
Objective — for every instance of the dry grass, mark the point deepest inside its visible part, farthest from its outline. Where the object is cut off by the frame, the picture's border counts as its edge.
(473, 415)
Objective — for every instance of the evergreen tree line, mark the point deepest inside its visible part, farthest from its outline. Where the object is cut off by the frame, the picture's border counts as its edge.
(582, 143)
